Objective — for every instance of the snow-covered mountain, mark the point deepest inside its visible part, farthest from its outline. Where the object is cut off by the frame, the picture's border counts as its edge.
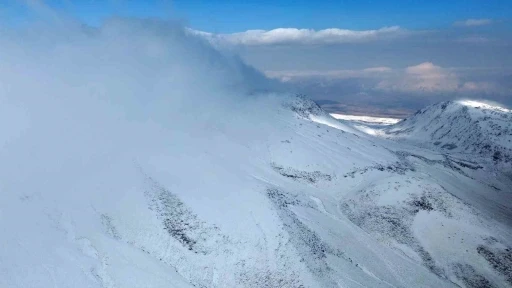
(466, 127)
(157, 163)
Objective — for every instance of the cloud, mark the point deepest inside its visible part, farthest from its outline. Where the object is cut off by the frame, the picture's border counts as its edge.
(473, 22)
(427, 77)
(383, 87)
(481, 86)
(282, 36)
(424, 78)
(473, 40)
(81, 108)
(377, 69)
(330, 74)
(425, 67)
(145, 70)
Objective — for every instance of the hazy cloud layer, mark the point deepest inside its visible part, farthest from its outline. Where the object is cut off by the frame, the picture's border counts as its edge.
(421, 78)
(384, 68)
(332, 74)
(397, 91)
(427, 77)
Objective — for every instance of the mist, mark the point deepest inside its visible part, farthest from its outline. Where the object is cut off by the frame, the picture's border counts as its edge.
(82, 107)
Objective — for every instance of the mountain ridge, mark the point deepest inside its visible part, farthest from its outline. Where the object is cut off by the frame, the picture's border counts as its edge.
(466, 127)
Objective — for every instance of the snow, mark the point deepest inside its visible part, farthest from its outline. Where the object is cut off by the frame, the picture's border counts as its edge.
(170, 164)
(478, 104)
(368, 119)
(466, 129)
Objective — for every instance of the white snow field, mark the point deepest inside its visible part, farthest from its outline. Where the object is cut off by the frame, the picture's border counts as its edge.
(136, 155)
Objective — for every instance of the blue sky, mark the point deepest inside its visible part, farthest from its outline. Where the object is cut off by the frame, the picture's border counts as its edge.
(227, 16)
(232, 16)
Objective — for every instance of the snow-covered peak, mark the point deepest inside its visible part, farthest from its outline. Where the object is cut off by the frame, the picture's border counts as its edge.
(482, 105)
(466, 127)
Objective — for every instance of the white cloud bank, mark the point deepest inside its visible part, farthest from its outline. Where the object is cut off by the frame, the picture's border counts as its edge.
(281, 36)
(473, 22)
(422, 78)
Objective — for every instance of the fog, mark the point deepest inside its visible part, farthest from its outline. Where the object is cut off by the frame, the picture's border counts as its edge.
(80, 105)
(88, 115)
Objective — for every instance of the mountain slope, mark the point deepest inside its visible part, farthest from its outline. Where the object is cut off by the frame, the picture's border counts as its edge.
(298, 203)
(161, 182)
(466, 127)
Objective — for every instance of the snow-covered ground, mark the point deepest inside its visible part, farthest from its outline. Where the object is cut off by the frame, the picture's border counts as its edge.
(170, 164)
